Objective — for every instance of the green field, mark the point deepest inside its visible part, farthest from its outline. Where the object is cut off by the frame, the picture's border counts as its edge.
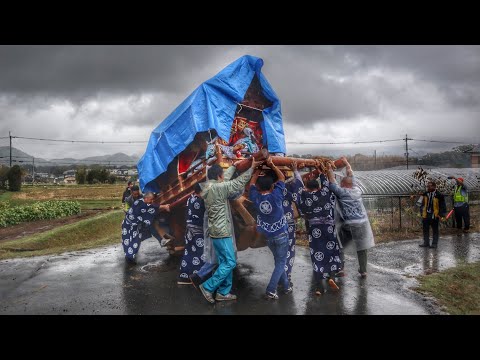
(92, 232)
(103, 229)
(89, 196)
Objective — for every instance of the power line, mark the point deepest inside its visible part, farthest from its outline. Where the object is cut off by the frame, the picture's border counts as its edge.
(441, 141)
(23, 141)
(18, 157)
(82, 141)
(73, 163)
(44, 164)
(342, 143)
(88, 162)
(288, 142)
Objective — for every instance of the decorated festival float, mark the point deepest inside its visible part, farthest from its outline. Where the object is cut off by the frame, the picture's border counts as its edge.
(231, 118)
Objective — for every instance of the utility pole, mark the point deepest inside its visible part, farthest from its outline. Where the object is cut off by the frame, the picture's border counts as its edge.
(375, 156)
(406, 147)
(33, 171)
(10, 135)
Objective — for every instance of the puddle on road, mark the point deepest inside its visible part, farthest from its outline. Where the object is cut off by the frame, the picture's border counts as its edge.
(158, 266)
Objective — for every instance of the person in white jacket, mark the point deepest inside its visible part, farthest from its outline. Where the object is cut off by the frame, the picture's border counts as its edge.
(352, 217)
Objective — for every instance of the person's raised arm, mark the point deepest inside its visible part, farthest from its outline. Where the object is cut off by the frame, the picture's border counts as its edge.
(252, 189)
(348, 167)
(331, 177)
(227, 175)
(296, 174)
(234, 186)
(255, 175)
(277, 171)
(256, 164)
(324, 179)
(334, 187)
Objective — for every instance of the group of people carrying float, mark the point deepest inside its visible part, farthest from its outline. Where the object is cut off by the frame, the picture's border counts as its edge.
(334, 216)
(210, 252)
(210, 248)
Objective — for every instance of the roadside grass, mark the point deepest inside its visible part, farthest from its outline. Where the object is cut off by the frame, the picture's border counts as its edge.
(456, 289)
(104, 229)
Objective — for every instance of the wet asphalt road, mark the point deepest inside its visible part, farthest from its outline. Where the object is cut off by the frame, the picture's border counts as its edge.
(99, 282)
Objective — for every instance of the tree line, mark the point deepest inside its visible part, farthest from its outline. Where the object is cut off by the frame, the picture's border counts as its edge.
(94, 176)
(457, 157)
(11, 178)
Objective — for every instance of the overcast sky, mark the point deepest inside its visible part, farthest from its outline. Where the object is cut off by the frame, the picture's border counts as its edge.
(328, 94)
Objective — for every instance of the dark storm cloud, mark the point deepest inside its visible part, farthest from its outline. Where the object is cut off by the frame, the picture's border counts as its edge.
(452, 70)
(123, 92)
(304, 76)
(310, 81)
(439, 64)
(455, 70)
(83, 70)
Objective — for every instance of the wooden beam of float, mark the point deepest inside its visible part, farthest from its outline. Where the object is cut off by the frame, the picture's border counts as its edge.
(288, 161)
(181, 201)
(283, 161)
(243, 165)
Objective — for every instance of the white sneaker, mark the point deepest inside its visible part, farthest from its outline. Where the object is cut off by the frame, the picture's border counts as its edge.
(271, 295)
(220, 297)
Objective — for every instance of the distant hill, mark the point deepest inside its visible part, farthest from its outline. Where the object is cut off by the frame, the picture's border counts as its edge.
(18, 155)
(115, 159)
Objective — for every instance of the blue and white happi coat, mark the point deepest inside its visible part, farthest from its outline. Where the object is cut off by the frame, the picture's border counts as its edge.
(318, 208)
(193, 257)
(291, 194)
(136, 226)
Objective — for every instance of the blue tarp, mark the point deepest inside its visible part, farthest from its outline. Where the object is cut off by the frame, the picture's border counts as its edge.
(211, 106)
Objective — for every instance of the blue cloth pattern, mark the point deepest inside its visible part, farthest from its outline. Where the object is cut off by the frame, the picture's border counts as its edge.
(136, 226)
(292, 194)
(271, 219)
(193, 257)
(318, 207)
